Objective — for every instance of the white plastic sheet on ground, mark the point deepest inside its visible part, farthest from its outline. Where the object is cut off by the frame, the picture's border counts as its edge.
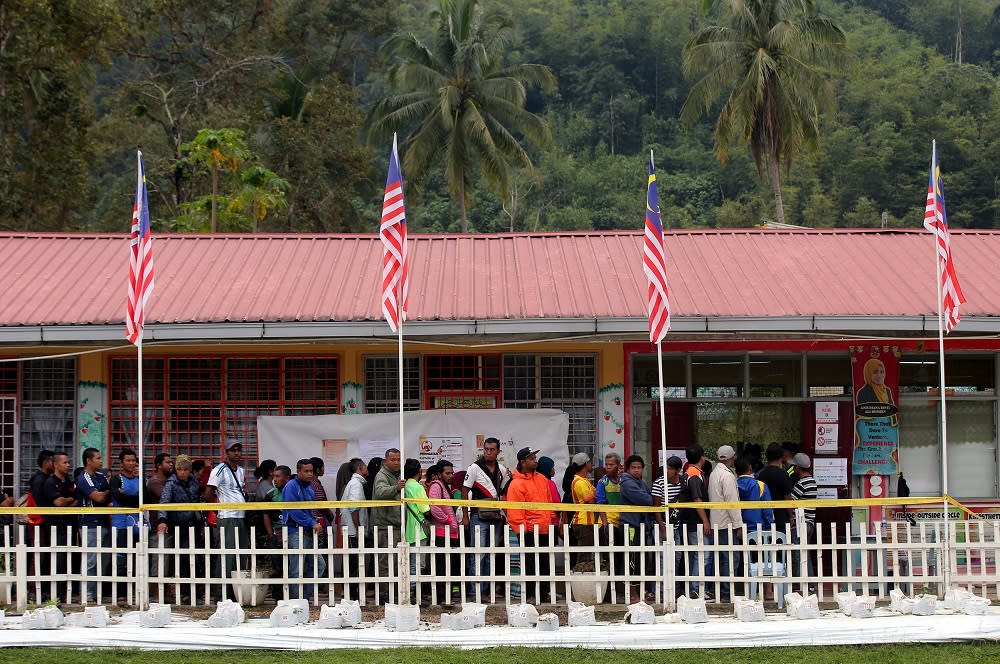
(833, 628)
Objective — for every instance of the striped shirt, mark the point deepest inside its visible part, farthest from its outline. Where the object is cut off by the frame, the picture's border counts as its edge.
(673, 490)
(805, 489)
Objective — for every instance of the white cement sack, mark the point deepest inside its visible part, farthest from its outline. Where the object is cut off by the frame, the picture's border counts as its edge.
(804, 608)
(955, 598)
(976, 606)
(285, 615)
(227, 614)
(352, 611)
(408, 618)
(391, 613)
(897, 603)
(692, 610)
(640, 613)
(96, 616)
(547, 622)
(47, 617)
(581, 615)
(924, 605)
(862, 607)
(476, 613)
(522, 615)
(458, 621)
(790, 599)
(158, 615)
(330, 617)
(747, 610)
(845, 601)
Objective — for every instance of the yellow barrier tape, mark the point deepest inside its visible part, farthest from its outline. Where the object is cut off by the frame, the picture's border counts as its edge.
(201, 507)
(955, 503)
(785, 504)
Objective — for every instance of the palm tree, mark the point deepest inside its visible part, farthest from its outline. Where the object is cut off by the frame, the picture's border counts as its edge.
(458, 102)
(770, 61)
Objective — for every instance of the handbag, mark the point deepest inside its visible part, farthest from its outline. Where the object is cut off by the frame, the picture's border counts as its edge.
(489, 513)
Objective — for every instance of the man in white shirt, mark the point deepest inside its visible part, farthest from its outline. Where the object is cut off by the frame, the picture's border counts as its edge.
(226, 484)
(484, 480)
(355, 519)
(722, 488)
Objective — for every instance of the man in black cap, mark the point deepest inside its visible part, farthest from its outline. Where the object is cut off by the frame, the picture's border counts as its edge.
(530, 486)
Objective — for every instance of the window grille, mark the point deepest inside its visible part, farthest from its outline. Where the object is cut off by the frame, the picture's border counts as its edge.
(213, 398)
(382, 384)
(48, 411)
(462, 374)
(566, 382)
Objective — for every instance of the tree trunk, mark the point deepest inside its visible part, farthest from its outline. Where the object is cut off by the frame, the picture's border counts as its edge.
(461, 204)
(774, 175)
(213, 224)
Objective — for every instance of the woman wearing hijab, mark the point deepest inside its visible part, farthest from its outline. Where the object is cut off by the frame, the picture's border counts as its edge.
(874, 389)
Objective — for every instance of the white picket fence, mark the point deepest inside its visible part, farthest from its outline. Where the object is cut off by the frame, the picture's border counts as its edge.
(911, 557)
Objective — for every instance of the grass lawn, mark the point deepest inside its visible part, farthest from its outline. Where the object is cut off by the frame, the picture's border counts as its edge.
(889, 654)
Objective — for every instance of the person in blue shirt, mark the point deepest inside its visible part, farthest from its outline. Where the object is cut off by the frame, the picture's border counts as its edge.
(125, 493)
(751, 490)
(93, 490)
(301, 529)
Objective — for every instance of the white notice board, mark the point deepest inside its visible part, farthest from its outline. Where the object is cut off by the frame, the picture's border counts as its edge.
(830, 472)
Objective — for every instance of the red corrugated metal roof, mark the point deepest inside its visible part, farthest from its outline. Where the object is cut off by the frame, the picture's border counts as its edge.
(80, 279)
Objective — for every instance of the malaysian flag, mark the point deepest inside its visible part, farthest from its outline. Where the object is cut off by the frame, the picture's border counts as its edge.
(140, 267)
(395, 265)
(936, 221)
(654, 264)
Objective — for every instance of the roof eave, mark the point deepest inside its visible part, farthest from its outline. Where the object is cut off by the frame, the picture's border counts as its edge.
(277, 331)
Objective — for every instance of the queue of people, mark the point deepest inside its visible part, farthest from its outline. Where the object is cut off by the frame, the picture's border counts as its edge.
(487, 481)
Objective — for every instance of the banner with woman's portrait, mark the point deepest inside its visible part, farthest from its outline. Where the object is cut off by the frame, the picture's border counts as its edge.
(875, 370)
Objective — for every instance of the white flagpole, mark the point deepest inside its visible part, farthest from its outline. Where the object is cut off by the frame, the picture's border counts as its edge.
(944, 410)
(141, 571)
(663, 413)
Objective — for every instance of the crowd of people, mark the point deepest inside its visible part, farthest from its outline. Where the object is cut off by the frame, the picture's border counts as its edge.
(781, 472)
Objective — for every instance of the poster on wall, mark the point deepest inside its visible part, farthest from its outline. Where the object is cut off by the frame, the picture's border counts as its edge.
(875, 371)
(437, 448)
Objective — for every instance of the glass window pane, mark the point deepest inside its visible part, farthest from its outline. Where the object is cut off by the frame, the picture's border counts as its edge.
(828, 376)
(716, 424)
(964, 374)
(776, 378)
(919, 449)
(645, 380)
(714, 376)
(972, 471)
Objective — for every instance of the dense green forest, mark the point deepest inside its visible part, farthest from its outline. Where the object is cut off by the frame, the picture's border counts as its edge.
(257, 115)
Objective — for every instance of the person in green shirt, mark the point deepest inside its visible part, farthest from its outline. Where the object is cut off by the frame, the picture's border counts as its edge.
(417, 514)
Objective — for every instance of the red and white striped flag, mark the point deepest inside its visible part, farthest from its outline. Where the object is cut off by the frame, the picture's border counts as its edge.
(936, 221)
(395, 265)
(654, 264)
(140, 268)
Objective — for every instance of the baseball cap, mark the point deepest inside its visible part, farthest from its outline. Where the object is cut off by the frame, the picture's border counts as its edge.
(233, 442)
(581, 459)
(526, 452)
(801, 460)
(726, 452)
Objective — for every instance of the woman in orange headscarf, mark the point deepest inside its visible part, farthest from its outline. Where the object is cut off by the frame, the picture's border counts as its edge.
(875, 390)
